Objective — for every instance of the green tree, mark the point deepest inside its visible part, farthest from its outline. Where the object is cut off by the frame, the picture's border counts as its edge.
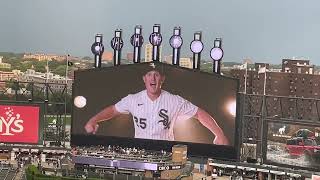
(13, 85)
(61, 70)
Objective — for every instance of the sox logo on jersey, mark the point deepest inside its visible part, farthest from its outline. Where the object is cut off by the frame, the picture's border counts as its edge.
(165, 118)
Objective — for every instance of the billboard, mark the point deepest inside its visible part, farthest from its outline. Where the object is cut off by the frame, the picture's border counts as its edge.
(20, 123)
(172, 104)
(293, 144)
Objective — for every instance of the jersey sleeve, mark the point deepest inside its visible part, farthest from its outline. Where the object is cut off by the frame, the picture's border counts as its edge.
(186, 109)
(123, 106)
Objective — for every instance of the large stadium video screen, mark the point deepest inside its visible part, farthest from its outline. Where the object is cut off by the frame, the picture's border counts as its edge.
(293, 144)
(155, 104)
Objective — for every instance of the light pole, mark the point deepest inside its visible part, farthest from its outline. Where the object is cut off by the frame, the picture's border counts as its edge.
(176, 43)
(136, 41)
(117, 44)
(97, 49)
(216, 54)
(155, 39)
(196, 47)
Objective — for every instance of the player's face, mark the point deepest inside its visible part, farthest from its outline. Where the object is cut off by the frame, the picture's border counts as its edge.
(153, 81)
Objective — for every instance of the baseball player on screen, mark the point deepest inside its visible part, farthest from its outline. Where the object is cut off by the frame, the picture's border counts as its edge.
(155, 111)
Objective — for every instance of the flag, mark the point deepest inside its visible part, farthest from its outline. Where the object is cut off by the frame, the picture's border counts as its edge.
(262, 70)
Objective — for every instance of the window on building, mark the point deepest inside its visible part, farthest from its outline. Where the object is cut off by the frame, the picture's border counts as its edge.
(299, 70)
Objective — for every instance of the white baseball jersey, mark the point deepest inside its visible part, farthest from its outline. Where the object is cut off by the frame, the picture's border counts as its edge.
(155, 119)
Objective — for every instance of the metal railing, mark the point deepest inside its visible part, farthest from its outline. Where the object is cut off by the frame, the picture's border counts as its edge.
(257, 110)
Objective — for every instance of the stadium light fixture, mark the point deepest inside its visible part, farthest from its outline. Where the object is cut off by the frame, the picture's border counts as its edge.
(216, 54)
(155, 39)
(97, 49)
(136, 41)
(117, 44)
(176, 42)
(196, 47)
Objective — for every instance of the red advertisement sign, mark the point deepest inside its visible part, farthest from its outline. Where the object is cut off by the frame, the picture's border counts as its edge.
(19, 124)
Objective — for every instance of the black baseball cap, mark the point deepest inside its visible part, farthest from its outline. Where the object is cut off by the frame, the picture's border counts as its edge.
(154, 66)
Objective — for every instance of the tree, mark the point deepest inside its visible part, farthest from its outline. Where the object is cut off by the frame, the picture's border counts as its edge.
(61, 70)
(87, 58)
(13, 85)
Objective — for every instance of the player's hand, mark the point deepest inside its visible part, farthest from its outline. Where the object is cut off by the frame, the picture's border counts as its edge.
(91, 127)
(221, 140)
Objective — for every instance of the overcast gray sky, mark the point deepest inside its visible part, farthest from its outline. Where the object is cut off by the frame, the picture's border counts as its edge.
(265, 31)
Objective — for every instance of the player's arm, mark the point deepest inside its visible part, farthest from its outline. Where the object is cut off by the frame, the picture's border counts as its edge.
(207, 121)
(106, 114)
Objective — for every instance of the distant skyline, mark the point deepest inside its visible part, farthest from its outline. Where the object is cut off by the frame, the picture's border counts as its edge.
(264, 31)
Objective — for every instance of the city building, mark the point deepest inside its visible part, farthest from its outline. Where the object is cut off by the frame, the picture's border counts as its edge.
(130, 56)
(4, 65)
(297, 66)
(148, 53)
(167, 59)
(296, 79)
(57, 83)
(184, 62)
(6, 76)
(44, 57)
(107, 56)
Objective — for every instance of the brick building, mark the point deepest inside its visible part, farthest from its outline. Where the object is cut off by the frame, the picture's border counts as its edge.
(295, 79)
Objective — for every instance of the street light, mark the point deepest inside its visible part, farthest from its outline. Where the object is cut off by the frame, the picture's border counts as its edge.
(97, 49)
(136, 41)
(216, 54)
(176, 42)
(155, 39)
(196, 47)
(117, 44)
